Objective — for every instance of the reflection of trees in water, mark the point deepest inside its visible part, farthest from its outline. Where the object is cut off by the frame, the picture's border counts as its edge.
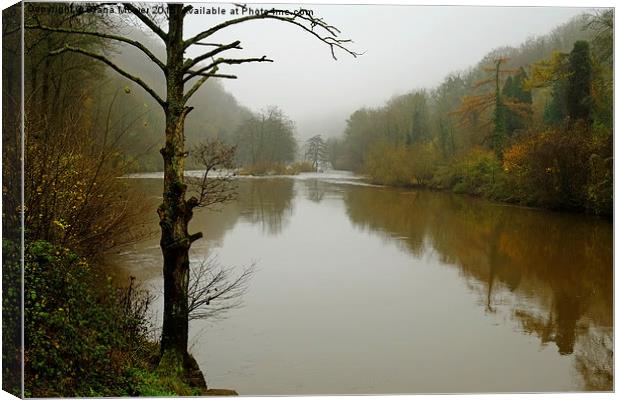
(390, 211)
(268, 202)
(560, 325)
(594, 359)
(315, 190)
(562, 262)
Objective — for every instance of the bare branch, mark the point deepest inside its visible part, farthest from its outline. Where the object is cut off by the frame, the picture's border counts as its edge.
(123, 39)
(213, 66)
(216, 157)
(301, 18)
(213, 75)
(229, 61)
(187, 9)
(146, 20)
(197, 86)
(191, 62)
(212, 291)
(209, 44)
(115, 67)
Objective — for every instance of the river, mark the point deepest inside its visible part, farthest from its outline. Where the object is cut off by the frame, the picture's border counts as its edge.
(367, 289)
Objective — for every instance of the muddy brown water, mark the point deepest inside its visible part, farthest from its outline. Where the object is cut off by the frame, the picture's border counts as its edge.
(367, 289)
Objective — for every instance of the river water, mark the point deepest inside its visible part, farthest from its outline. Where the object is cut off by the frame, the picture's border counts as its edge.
(367, 289)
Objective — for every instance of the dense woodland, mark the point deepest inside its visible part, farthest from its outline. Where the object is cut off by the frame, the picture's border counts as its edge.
(531, 125)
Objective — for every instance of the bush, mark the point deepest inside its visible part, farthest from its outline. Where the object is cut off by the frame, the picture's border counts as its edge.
(72, 192)
(389, 165)
(303, 166)
(477, 172)
(552, 168)
(396, 165)
(11, 318)
(81, 338)
(600, 186)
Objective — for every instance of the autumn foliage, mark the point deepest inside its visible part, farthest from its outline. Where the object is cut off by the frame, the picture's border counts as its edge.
(517, 128)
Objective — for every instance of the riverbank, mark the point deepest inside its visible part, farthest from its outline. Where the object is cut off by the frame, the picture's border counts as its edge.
(567, 186)
(86, 337)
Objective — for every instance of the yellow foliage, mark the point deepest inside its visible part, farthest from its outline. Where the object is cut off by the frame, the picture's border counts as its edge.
(544, 73)
(401, 165)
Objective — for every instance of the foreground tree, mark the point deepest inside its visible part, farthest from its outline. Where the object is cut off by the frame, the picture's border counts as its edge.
(176, 211)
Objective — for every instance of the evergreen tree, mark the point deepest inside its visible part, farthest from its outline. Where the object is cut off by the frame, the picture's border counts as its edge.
(578, 91)
(555, 110)
(520, 100)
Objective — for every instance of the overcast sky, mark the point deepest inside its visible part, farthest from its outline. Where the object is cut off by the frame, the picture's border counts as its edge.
(405, 47)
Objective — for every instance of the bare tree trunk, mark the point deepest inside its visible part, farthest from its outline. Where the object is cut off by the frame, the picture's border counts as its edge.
(174, 218)
(174, 213)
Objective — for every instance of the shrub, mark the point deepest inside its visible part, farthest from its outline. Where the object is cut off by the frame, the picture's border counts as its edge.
(72, 193)
(600, 185)
(304, 166)
(551, 168)
(81, 338)
(423, 159)
(11, 317)
(389, 165)
(477, 172)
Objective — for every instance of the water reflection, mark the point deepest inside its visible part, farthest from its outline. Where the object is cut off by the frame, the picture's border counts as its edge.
(315, 190)
(268, 202)
(384, 282)
(558, 267)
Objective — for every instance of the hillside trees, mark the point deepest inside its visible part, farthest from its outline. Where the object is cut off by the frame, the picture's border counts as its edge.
(12, 212)
(446, 98)
(502, 107)
(531, 125)
(75, 209)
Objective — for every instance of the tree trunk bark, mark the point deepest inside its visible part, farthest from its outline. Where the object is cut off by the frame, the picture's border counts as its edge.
(174, 216)
(174, 212)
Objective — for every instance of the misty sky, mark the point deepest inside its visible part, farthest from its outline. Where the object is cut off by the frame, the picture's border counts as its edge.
(406, 47)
